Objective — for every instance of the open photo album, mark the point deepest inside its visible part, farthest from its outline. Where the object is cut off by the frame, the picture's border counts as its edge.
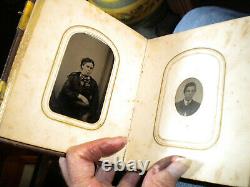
(80, 74)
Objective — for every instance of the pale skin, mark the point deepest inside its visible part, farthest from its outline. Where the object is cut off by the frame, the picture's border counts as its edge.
(78, 167)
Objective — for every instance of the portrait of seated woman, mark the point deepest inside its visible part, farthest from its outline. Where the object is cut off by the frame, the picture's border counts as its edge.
(79, 95)
(82, 79)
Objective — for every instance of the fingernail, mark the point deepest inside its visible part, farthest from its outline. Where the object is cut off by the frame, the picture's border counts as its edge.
(119, 140)
(116, 141)
(184, 161)
(179, 167)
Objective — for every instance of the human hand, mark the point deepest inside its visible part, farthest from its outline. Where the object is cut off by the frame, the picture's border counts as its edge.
(166, 172)
(83, 99)
(78, 168)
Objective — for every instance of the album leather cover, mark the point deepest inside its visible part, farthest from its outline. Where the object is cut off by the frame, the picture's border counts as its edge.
(79, 75)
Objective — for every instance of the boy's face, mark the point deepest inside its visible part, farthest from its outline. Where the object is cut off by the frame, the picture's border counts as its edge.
(189, 93)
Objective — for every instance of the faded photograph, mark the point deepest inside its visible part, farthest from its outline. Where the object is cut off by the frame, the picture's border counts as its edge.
(83, 77)
(188, 97)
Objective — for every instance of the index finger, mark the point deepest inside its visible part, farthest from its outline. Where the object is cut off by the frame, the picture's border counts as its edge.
(81, 158)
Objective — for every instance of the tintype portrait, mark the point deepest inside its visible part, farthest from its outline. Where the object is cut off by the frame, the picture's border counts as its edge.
(188, 97)
(83, 77)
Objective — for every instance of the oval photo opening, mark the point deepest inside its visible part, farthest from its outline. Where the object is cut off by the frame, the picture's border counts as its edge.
(189, 97)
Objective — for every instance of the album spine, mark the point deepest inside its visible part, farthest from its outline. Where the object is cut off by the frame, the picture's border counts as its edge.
(15, 44)
(7, 68)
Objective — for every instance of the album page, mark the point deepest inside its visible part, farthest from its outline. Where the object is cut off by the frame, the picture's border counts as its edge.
(74, 79)
(193, 101)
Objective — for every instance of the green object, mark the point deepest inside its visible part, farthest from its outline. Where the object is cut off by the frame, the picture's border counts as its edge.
(128, 11)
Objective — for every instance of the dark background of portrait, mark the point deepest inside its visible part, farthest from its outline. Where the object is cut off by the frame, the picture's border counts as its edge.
(81, 46)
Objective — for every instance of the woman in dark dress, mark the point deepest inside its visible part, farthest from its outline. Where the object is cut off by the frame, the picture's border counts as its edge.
(79, 96)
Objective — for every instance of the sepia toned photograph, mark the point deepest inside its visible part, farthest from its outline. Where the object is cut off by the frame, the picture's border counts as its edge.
(188, 97)
(83, 78)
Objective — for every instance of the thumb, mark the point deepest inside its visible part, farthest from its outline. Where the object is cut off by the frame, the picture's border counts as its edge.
(178, 167)
(167, 176)
(80, 159)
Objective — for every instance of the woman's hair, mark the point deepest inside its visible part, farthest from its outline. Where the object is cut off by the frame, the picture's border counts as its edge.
(86, 60)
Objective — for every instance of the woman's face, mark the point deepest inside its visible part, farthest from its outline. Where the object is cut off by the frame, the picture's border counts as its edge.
(87, 68)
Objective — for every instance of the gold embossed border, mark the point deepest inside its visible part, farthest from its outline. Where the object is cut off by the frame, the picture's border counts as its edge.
(55, 69)
(217, 121)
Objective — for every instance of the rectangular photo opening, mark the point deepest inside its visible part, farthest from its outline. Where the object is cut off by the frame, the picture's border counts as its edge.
(83, 77)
